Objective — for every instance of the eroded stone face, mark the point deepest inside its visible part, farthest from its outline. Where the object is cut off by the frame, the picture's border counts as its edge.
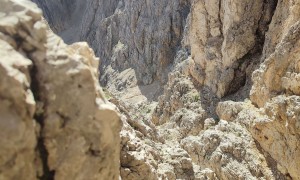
(221, 34)
(229, 150)
(196, 130)
(17, 127)
(275, 128)
(273, 122)
(143, 35)
(279, 72)
(55, 121)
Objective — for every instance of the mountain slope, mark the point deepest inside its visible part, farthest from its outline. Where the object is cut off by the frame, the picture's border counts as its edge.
(205, 89)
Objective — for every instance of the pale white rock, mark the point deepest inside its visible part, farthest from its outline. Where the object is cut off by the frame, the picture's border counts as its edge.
(221, 34)
(17, 107)
(229, 151)
(204, 52)
(275, 127)
(55, 121)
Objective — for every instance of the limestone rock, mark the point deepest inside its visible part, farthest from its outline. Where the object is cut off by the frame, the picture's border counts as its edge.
(55, 121)
(229, 150)
(179, 93)
(142, 158)
(222, 33)
(279, 72)
(138, 159)
(274, 127)
(76, 133)
(199, 55)
(134, 34)
(273, 123)
(17, 107)
(231, 113)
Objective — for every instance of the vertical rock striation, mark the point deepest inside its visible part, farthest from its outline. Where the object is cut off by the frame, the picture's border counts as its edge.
(224, 36)
(143, 35)
(55, 121)
(229, 109)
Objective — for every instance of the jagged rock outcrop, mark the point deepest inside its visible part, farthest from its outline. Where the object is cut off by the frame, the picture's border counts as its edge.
(230, 104)
(17, 128)
(274, 116)
(144, 155)
(229, 151)
(54, 120)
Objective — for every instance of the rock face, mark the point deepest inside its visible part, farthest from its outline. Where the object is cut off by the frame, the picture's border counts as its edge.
(55, 121)
(143, 35)
(223, 35)
(206, 89)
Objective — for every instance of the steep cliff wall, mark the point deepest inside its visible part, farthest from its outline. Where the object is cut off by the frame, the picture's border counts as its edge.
(230, 104)
(54, 120)
(143, 35)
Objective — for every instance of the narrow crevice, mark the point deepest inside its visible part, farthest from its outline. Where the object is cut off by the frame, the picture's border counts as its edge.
(90, 34)
(242, 72)
(93, 152)
(239, 80)
(241, 76)
(39, 117)
(41, 150)
(47, 173)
